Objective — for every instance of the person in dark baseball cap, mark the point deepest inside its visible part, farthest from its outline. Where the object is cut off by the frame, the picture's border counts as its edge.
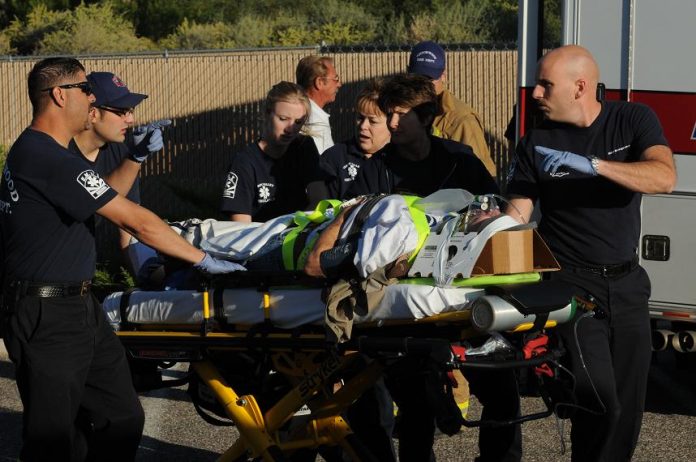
(110, 91)
(456, 120)
(112, 154)
(428, 59)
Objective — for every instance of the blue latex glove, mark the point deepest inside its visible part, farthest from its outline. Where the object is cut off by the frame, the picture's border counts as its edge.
(147, 139)
(210, 265)
(554, 159)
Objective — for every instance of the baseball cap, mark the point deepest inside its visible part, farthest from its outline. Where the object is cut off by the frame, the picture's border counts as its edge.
(428, 59)
(110, 90)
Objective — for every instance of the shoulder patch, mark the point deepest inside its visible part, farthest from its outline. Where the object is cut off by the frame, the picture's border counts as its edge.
(93, 183)
(230, 185)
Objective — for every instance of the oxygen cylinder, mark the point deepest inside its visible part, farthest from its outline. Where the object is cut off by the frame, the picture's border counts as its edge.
(493, 313)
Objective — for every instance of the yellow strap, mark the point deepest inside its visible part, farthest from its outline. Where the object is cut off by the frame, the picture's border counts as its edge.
(289, 241)
(267, 306)
(302, 220)
(422, 227)
(319, 213)
(206, 305)
(309, 245)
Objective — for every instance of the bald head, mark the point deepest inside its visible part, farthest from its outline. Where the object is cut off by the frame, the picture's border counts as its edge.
(566, 86)
(576, 61)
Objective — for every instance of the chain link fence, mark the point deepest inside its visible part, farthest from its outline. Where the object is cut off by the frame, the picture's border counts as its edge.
(215, 99)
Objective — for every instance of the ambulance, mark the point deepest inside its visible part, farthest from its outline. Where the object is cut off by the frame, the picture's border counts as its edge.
(646, 51)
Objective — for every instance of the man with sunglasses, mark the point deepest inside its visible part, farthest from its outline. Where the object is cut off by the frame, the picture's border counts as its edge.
(71, 369)
(317, 76)
(103, 143)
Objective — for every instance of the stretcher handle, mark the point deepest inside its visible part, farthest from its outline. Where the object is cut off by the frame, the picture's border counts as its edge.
(471, 363)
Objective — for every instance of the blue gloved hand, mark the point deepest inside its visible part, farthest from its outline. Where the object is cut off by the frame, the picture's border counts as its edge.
(554, 159)
(147, 139)
(211, 265)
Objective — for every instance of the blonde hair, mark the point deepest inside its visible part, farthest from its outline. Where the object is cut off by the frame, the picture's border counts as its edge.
(287, 92)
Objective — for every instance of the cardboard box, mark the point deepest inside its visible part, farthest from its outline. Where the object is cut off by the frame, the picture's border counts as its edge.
(505, 252)
(509, 252)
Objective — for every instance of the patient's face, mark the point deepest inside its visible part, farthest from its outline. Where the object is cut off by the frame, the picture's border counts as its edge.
(372, 131)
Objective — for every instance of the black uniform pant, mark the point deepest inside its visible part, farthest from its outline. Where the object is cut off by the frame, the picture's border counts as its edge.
(371, 418)
(617, 352)
(496, 390)
(73, 379)
(498, 393)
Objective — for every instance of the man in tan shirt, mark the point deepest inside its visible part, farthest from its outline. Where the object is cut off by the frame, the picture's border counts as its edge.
(456, 120)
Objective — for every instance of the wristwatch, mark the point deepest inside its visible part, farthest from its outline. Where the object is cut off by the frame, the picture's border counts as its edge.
(594, 160)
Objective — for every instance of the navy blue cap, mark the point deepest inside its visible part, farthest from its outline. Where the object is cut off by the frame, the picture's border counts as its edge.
(110, 90)
(428, 59)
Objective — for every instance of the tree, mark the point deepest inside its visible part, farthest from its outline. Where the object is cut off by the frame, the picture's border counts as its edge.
(91, 28)
(25, 36)
(100, 26)
(157, 19)
(19, 9)
(449, 23)
(193, 36)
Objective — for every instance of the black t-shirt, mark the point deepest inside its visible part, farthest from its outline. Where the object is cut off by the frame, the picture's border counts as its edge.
(587, 220)
(110, 156)
(265, 188)
(350, 174)
(48, 197)
(449, 165)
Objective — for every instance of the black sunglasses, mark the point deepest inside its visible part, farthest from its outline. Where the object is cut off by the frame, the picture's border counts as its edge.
(121, 112)
(84, 86)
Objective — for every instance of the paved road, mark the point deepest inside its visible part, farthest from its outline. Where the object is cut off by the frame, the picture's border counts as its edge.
(173, 431)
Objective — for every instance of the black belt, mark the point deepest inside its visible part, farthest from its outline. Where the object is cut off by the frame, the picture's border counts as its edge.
(608, 271)
(46, 290)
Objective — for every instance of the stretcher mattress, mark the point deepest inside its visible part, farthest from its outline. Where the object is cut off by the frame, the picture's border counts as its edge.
(290, 307)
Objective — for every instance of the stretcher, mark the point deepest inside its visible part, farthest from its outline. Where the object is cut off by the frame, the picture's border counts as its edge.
(263, 344)
(256, 343)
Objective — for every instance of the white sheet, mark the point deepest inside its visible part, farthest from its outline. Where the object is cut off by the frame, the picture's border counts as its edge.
(289, 307)
(388, 232)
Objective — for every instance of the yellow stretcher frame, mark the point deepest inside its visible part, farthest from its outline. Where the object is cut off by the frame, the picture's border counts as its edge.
(260, 435)
(259, 431)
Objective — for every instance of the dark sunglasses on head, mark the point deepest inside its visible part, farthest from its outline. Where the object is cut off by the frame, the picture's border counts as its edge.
(84, 86)
(121, 112)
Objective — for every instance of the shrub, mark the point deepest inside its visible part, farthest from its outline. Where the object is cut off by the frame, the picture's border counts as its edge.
(94, 28)
(5, 46)
(25, 36)
(193, 36)
(450, 23)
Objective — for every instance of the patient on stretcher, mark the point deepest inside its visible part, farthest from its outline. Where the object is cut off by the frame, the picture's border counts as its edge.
(361, 246)
(354, 238)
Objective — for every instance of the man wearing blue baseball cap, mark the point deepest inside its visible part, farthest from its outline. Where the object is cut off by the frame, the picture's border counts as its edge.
(455, 120)
(103, 143)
